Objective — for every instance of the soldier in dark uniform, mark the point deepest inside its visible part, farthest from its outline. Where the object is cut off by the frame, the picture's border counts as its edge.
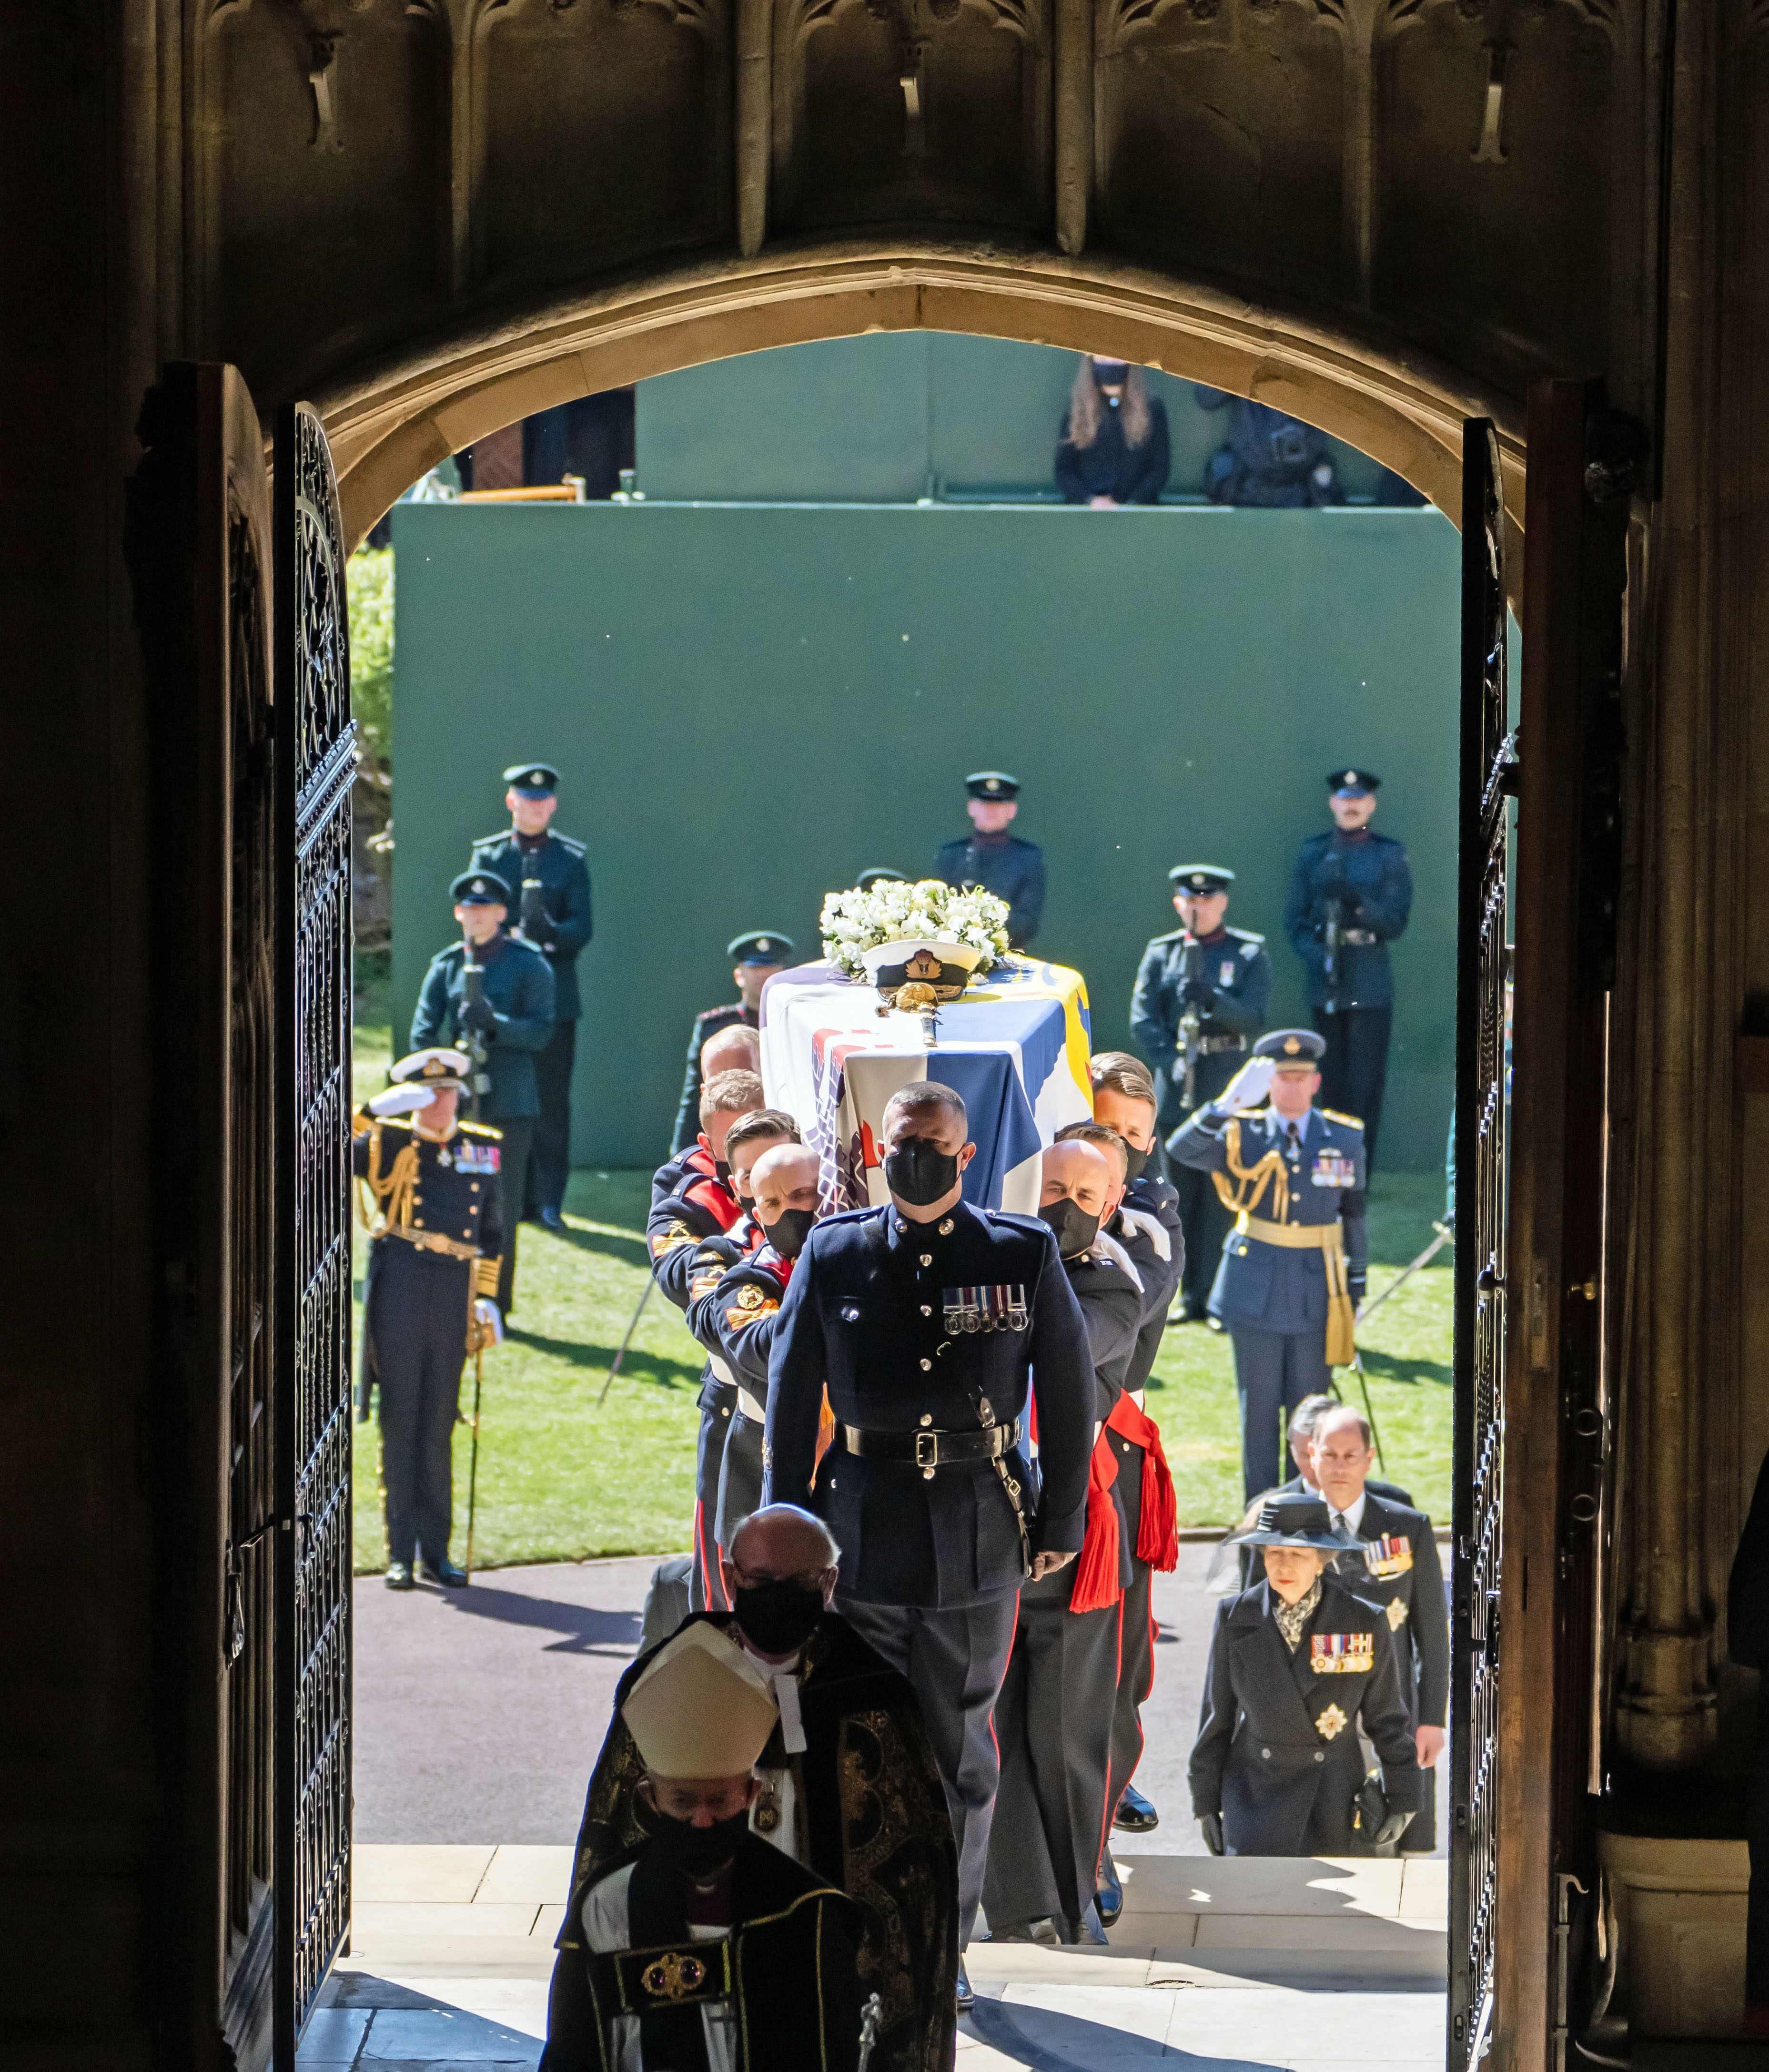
(547, 874)
(757, 956)
(1747, 1643)
(1200, 999)
(699, 1225)
(1271, 461)
(1147, 1225)
(1351, 893)
(1399, 1568)
(928, 1322)
(1054, 1717)
(511, 1017)
(434, 1209)
(734, 1307)
(1000, 862)
(1301, 1672)
(1293, 1268)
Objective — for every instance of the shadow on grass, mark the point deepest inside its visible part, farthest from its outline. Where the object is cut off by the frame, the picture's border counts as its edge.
(1387, 1368)
(637, 1366)
(629, 1250)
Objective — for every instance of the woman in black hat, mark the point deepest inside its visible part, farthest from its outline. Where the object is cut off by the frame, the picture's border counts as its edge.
(1299, 1664)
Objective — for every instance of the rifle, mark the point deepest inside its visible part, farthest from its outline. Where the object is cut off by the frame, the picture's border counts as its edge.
(531, 916)
(1332, 929)
(479, 1077)
(1191, 1035)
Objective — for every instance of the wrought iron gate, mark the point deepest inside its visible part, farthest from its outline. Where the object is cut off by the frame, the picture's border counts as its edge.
(316, 757)
(1483, 1095)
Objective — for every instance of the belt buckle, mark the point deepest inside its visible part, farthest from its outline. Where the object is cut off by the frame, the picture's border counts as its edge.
(927, 1451)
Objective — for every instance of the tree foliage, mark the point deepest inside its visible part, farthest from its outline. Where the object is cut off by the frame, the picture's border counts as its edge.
(371, 580)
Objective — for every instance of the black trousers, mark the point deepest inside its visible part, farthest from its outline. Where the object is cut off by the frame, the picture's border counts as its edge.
(1053, 1726)
(740, 1475)
(416, 1319)
(956, 1660)
(706, 1585)
(1135, 1677)
(549, 1161)
(518, 1134)
(1206, 1223)
(1355, 1069)
(1274, 1371)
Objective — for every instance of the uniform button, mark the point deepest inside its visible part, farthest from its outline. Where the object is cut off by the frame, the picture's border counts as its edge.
(1320, 1755)
(945, 1226)
(475, 1186)
(468, 1231)
(926, 1417)
(926, 1366)
(1265, 1754)
(926, 1311)
(724, 1414)
(927, 1258)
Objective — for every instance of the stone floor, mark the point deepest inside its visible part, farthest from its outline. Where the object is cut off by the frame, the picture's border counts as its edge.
(478, 1713)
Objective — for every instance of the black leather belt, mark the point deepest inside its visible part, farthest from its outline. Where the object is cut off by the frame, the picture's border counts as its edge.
(927, 1449)
(1211, 1046)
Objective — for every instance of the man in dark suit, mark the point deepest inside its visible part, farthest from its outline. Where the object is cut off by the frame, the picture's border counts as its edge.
(547, 874)
(1301, 1671)
(1400, 1569)
(934, 1325)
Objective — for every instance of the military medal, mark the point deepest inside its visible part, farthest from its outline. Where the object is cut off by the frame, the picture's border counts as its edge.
(1342, 1653)
(1331, 1724)
(1396, 1614)
(999, 1308)
(1392, 1554)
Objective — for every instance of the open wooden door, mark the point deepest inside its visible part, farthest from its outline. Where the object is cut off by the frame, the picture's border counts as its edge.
(199, 553)
(1532, 1408)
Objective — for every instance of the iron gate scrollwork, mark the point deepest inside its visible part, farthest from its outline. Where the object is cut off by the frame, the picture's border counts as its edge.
(1488, 781)
(316, 757)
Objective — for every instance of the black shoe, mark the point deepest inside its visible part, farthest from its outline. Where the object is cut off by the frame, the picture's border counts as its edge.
(398, 1576)
(443, 1572)
(1134, 1815)
(551, 1220)
(1214, 1324)
(968, 1999)
(1110, 1898)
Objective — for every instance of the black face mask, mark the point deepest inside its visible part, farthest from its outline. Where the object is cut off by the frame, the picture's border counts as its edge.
(778, 1617)
(1072, 1228)
(721, 1172)
(699, 1851)
(919, 1172)
(1133, 1162)
(1111, 373)
(746, 1202)
(788, 1232)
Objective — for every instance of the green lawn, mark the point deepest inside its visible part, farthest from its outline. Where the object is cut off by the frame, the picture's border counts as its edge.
(563, 1478)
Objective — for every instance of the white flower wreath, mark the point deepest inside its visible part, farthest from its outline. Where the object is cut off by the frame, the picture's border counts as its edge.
(854, 922)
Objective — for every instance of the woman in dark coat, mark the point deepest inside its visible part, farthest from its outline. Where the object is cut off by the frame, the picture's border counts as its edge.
(1298, 1664)
(1112, 447)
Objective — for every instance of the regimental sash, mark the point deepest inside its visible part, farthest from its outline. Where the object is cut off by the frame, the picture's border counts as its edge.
(1392, 1554)
(999, 1307)
(1342, 1653)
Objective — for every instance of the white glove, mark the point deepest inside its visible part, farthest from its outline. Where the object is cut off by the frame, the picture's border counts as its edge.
(1250, 1085)
(399, 1100)
(486, 1315)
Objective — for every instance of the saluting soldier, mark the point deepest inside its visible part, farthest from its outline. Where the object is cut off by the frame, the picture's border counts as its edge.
(1294, 1265)
(932, 1325)
(1351, 894)
(1302, 1670)
(989, 856)
(1201, 998)
(547, 872)
(432, 1206)
(757, 956)
(1399, 1568)
(493, 996)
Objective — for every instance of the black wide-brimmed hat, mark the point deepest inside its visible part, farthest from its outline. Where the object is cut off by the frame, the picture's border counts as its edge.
(1298, 1521)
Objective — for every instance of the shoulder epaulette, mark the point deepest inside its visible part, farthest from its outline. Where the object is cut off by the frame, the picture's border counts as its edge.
(566, 841)
(1350, 1121)
(1245, 935)
(1172, 935)
(491, 841)
(448, 950)
(480, 1129)
(844, 1216)
(1251, 1114)
(1014, 1220)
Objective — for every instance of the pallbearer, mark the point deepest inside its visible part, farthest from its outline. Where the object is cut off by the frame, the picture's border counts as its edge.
(434, 1207)
(1293, 1267)
(547, 873)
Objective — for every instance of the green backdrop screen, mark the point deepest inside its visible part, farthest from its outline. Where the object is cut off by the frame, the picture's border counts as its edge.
(750, 704)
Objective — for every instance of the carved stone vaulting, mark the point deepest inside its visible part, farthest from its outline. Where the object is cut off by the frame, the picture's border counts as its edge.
(427, 217)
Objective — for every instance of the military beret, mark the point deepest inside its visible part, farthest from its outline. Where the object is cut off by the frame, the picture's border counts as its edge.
(877, 875)
(1199, 877)
(1352, 782)
(1292, 1046)
(764, 946)
(438, 1067)
(534, 780)
(991, 784)
(479, 888)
